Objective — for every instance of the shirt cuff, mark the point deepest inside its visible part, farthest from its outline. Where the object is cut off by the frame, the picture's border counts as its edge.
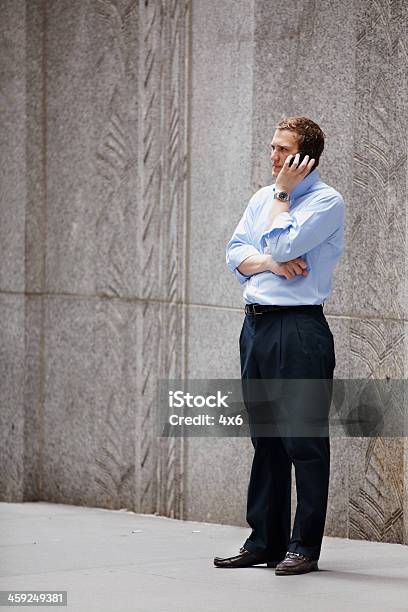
(237, 256)
(242, 279)
(280, 222)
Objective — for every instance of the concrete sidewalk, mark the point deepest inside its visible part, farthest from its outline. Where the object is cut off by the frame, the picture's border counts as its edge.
(117, 561)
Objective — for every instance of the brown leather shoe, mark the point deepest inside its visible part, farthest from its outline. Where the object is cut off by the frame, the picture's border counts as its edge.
(295, 563)
(245, 558)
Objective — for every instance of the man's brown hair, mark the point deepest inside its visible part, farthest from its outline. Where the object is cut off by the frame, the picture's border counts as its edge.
(309, 135)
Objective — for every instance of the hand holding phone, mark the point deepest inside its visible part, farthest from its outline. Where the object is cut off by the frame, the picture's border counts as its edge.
(291, 175)
(302, 155)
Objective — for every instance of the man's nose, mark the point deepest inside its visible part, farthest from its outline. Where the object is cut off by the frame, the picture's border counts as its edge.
(275, 156)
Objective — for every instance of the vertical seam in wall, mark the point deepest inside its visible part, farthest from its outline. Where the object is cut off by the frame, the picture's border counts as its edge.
(188, 97)
(25, 305)
(40, 462)
(350, 441)
(252, 184)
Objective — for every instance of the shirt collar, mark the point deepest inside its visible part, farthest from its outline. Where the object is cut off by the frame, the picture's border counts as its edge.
(305, 185)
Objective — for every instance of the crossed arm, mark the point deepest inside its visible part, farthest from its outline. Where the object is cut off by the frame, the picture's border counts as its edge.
(254, 264)
(289, 237)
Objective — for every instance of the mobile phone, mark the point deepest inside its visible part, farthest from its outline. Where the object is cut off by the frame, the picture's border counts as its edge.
(301, 158)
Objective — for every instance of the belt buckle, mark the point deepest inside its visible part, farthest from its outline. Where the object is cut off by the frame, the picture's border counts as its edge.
(252, 309)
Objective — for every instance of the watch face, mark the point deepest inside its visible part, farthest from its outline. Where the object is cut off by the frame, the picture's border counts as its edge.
(282, 195)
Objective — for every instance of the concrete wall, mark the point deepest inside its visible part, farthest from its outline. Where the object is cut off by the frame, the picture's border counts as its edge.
(133, 135)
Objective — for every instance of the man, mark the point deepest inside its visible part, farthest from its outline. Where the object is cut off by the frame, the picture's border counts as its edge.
(284, 251)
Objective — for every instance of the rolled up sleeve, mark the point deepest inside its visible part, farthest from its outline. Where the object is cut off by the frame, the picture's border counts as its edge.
(293, 234)
(241, 246)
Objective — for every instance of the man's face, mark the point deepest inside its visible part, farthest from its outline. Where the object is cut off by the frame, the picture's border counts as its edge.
(284, 143)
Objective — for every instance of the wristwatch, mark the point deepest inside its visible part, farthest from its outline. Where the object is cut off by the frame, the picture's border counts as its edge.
(282, 196)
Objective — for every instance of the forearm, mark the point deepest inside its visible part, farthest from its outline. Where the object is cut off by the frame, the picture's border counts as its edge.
(256, 264)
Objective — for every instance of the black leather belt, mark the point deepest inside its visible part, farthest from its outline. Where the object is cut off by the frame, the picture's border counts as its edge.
(257, 309)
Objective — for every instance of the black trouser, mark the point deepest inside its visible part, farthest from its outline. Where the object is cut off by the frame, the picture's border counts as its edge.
(290, 343)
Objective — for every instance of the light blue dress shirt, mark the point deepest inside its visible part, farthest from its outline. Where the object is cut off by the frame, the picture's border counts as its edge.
(312, 229)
